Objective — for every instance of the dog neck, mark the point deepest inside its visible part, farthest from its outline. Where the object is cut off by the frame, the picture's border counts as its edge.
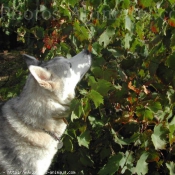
(53, 135)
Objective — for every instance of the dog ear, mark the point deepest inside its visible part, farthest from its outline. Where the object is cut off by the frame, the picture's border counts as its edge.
(42, 76)
(30, 60)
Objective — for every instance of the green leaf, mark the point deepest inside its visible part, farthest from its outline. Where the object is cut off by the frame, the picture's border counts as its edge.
(91, 81)
(46, 15)
(136, 44)
(84, 139)
(86, 106)
(105, 153)
(112, 165)
(142, 166)
(42, 8)
(76, 107)
(71, 133)
(153, 68)
(64, 11)
(68, 143)
(146, 114)
(96, 48)
(100, 73)
(128, 23)
(65, 48)
(80, 32)
(39, 31)
(73, 116)
(82, 15)
(154, 106)
(103, 7)
(171, 167)
(127, 163)
(140, 29)
(126, 4)
(173, 41)
(171, 61)
(97, 71)
(124, 141)
(71, 2)
(171, 134)
(95, 122)
(158, 137)
(85, 159)
(127, 40)
(171, 1)
(106, 37)
(146, 3)
(115, 53)
(102, 86)
(96, 97)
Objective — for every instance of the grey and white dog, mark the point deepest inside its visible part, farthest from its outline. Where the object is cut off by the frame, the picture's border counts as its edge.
(31, 125)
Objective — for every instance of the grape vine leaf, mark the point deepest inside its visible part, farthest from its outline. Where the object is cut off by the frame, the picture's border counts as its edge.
(106, 36)
(112, 165)
(68, 143)
(158, 137)
(95, 122)
(171, 167)
(126, 4)
(76, 108)
(84, 139)
(146, 114)
(96, 97)
(128, 23)
(80, 32)
(146, 3)
(42, 8)
(127, 40)
(142, 166)
(71, 2)
(170, 61)
(155, 106)
(85, 159)
(101, 86)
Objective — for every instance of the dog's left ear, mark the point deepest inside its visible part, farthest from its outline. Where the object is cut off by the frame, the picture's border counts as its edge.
(42, 76)
(30, 60)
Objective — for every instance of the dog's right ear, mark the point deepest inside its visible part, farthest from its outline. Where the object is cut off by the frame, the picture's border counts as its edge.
(30, 60)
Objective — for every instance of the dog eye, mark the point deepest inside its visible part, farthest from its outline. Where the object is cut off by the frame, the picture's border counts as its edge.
(70, 65)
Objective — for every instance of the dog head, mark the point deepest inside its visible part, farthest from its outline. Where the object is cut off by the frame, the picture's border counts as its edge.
(60, 75)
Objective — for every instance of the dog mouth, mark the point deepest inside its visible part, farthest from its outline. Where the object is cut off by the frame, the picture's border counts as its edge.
(81, 62)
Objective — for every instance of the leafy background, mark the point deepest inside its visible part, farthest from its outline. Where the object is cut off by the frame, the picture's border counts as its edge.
(123, 116)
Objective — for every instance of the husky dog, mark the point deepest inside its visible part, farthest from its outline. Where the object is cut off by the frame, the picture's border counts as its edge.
(31, 125)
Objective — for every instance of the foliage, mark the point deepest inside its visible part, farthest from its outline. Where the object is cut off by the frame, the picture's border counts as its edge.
(123, 117)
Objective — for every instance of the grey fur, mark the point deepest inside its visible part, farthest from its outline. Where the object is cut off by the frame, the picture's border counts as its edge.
(24, 146)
